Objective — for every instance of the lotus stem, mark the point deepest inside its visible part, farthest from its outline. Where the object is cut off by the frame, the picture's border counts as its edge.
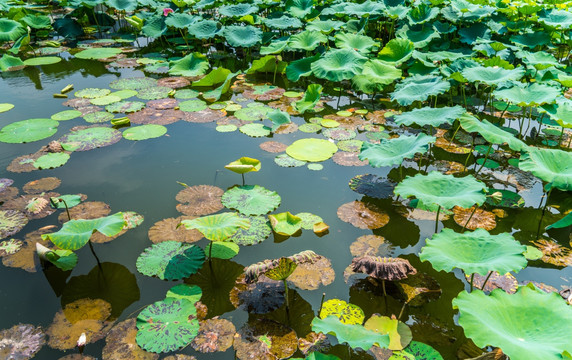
(286, 295)
(429, 156)
(401, 171)
(95, 255)
(339, 97)
(544, 210)
(472, 278)
(242, 179)
(437, 219)
(455, 133)
(383, 287)
(401, 311)
(211, 251)
(487, 279)
(561, 135)
(184, 38)
(470, 217)
(469, 156)
(321, 303)
(486, 157)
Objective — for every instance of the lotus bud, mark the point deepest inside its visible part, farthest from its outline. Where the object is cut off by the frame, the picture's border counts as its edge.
(496, 197)
(81, 342)
(167, 11)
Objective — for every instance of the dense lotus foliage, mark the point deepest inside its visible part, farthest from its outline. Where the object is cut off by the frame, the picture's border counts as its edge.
(459, 110)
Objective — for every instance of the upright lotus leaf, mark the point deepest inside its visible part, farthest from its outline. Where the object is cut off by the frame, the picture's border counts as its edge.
(268, 64)
(181, 20)
(63, 259)
(11, 30)
(37, 21)
(355, 335)
(365, 8)
(307, 40)
(474, 252)
(98, 53)
(21, 341)
(550, 165)
(167, 325)
(279, 118)
(539, 60)
(361, 43)
(529, 324)
(399, 333)
(237, 10)
(325, 26)
(394, 151)
(283, 22)
(311, 149)
(430, 116)
(396, 51)
(170, 260)
(493, 76)
(299, 8)
(125, 5)
(533, 94)
(345, 312)
(28, 130)
(154, 27)
(281, 272)
(242, 36)
(217, 227)
(419, 88)
(310, 99)
(285, 223)
(205, 29)
(194, 64)
(561, 111)
(556, 18)
(446, 191)
(374, 76)
(215, 94)
(243, 165)
(297, 68)
(338, 65)
(11, 63)
(562, 223)
(491, 133)
(74, 234)
(251, 199)
(422, 14)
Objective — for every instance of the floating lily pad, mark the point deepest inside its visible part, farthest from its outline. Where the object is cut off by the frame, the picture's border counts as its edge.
(284, 160)
(51, 160)
(507, 282)
(363, 215)
(372, 245)
(480, 218)
(308, 220)
(28, 130)
(251, 199)
(310, 128)
(105, 100)
(199, 200)
(258, 231)
(21, 341)
(312, 150)
(144, 132)
(417, 350)
(170, 260)
(255, 130)
(10, 247)
(66, 115)
(154, 92)
(169, 230)
(42, 60)
(226, 128)
(84, 139)
(372, 185)
(98, 117)
(6, 107)
(214, 335)
(120, 343)
(346, 313)
(310, 275)
(186, 94)
(92, 93)
(285, 223)
(11, 222)
(167, 325)
(98, 53)
(266, 339)
(218, 227)
(132, 83)
(156, 117)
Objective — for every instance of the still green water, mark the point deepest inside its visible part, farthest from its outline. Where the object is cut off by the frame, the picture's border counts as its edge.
(142, 177)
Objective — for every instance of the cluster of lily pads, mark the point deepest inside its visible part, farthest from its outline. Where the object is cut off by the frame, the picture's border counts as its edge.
(467, 101)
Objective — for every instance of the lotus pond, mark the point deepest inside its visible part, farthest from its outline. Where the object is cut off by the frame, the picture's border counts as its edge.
(285, 179)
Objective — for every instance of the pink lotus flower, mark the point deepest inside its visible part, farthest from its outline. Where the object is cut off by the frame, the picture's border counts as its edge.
(167, 11)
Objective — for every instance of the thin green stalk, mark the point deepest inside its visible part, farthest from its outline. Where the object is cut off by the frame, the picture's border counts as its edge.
(470, 217)
(437, 219)
(472, 278)
(286, 295)
(486, 158)
(487, 279)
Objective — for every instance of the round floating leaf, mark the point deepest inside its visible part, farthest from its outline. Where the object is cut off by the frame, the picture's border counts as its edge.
(186, 94)
(355, 335)
(11, 221)
(417, 350)
(170, 260)
(285, 223)
(258, 231)
(312, 149)
(550, 165)
(218, 227)
(222, 249)
(167, 325)
(6, 107)
(120, 343)
(90, 138)
(267, 339)
(98, 53)
(21, 341)
(372, 245)
(66, 115)
(51, 160)
(311, 274)
(98, 117)
(419, 88)
(243, 165)
(528, 324)
(372, 186)
(191, 293)
(144, 132)
(214, 335)
(105, 100)
(283, 160)
(43, 60)
(308, 220)
(28, 130)
(394, 151)
(242, 36)
(135, 83)
(251, 199)
(474, 252)
(92, 93)
(338, 65)
(154, 92)
(199, 200)
(346, 313)
(430, 116)
(363, 215)
(255, 130)
(446, 191)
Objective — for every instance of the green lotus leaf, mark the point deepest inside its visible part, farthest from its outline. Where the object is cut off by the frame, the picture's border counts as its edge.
(561, 111)
(299, 8)
(193, 105)
(422, 14)
(474, 252)
(311, 149)
(42, 60)
(420, 38)
(92, 93)
(375, 76)
(394, 151)
(355, 335)
(243, 165)
(205, 29)
(325, 26)
(151, 93)
(98, 53)
(267, 64)
(310, 99)
(134, 83)
(399, 333)
(11, 30)
(194, 64)
(338, 65)
(396, 51)
(154, 27)
(105, 100)
(37, 21)
(300, 68)
(492, 75)
(255, 130)
(242, 36)
(491, 133)
(282, 23)
(275, 47)
(167, 325)
(125, 107)
(251, 199)
(533, 94)
(365, 8)
(562, 223)
(68, 200)
(555, 18)
(285, 223)
(349, 314)
(531, 39)
(28, 130)
(550, 165)
(258, 231)
(170, 260)
(144, 132)
(51, 160)
(63, 259)
(192, 293)
(527, 324)
(307, 40)
(417, 351)
(90, 138)
(237, 10)
(278, 119)
(186, 94)
(217, 227)
(124, 5)
(284, 269)
(509, 199)
(181, 20)
(446, 191)
(419, 88)
(66, 115)
(540, 59)
(361, 43)
(222, 249)
(216, 76)
(430, 116)
(74, 234)
(214, 95)
(11, 63)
